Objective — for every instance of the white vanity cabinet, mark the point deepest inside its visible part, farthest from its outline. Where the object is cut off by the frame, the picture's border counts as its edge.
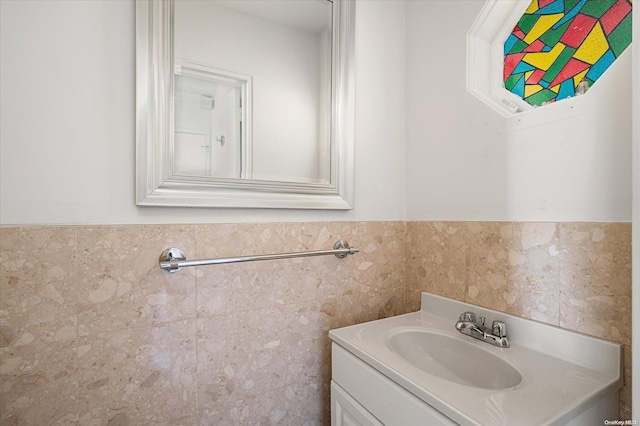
(360, 395)
(346, 411)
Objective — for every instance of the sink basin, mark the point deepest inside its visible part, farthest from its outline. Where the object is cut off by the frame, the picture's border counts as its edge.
(548, 376)
(454, 360)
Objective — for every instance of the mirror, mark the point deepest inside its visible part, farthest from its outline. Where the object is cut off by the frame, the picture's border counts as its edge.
(244, 103)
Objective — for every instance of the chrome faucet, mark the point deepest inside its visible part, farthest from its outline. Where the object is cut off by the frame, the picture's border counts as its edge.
(496, 335)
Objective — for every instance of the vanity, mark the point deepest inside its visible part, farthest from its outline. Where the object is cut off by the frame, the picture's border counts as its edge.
(422, 369)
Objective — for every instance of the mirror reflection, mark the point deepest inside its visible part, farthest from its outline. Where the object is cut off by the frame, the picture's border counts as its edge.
(252, 90)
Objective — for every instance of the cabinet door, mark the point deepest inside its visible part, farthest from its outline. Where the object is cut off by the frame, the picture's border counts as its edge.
(345, 411)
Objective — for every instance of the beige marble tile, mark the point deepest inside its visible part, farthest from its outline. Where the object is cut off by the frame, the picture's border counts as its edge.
(122, 286)
(267, 408)
(241, 354)
(534, 272)
(596, 280)
(139, 376)
(595, 295)
(37, 284)
(510, 267)
(437, 255)
(38, 384)
(379, 264)
(625, 392)
(259, 352)
(313, 278)
(309, 366)
(488, 271)
(224, 289)
(307, 341)
(309, 403)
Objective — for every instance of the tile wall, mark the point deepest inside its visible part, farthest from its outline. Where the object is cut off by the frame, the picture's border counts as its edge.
(572, 275)
(92, 332)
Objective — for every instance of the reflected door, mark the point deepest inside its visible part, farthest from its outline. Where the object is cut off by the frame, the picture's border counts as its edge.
(208, 126)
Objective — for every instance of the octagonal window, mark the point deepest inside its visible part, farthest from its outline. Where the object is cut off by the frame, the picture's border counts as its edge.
(559, 48)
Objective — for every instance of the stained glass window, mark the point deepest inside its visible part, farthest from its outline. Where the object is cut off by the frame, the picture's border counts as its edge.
(559, 48)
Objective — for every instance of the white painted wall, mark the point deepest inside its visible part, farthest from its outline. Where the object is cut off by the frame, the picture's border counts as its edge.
(67, 118)
(466, 162)
(67, 127)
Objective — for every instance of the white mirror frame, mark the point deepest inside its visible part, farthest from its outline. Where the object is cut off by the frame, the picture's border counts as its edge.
(155, 183)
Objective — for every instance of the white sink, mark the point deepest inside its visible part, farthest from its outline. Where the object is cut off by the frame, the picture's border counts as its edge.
(548, 376)
(454, 360)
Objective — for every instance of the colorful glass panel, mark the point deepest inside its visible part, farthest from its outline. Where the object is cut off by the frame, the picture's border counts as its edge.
(558, 45)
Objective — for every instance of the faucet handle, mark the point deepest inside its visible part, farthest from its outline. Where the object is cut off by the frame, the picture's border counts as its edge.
(499, 328)
(468, 316)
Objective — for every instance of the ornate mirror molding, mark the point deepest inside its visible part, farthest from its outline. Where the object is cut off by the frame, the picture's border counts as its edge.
(159, 182)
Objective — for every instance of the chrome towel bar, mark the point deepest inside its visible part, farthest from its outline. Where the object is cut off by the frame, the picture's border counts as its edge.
(173, 259)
